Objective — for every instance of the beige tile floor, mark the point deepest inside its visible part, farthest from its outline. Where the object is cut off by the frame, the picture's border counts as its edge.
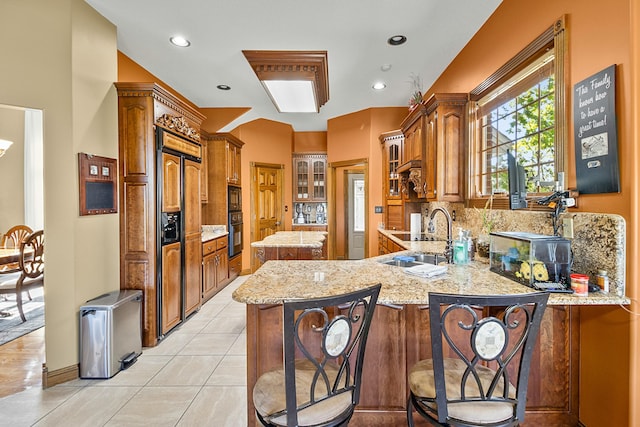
(195, 377)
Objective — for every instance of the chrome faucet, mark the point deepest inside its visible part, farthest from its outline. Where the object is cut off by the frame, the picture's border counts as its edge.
(448, 251)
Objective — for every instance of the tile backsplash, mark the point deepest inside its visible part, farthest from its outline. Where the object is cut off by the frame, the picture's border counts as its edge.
(599, 240)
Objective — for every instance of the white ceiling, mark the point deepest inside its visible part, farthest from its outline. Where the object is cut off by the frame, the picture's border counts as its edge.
(353, 32)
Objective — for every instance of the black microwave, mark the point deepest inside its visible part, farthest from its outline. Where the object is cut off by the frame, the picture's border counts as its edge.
(235, 198)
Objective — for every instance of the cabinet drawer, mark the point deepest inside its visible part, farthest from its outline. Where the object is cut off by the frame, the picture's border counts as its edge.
(208, 247)
(221, 242)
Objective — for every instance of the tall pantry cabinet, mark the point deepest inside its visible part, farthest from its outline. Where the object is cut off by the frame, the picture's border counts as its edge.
(160, 217)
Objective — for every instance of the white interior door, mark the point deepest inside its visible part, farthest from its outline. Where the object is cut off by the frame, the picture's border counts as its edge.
(356, 215)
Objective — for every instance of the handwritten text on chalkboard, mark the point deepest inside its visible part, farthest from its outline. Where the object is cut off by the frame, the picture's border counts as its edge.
(596, 140)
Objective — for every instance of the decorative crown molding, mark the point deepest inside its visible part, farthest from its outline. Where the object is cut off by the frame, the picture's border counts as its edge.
(178, 124)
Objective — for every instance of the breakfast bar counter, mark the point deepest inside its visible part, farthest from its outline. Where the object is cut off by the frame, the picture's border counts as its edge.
(399, 333)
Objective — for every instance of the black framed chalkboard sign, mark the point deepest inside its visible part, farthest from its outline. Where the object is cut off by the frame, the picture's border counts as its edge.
(98, 179)
(595, 133)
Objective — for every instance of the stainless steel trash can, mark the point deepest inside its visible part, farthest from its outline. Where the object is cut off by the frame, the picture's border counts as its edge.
(110, 333)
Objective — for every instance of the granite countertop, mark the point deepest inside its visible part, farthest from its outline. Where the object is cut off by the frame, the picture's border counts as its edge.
(430, 246)
(297, 239)
(276, 281)
(210, 232)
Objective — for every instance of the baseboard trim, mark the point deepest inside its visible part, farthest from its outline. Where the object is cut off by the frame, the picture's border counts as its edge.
(59, 376)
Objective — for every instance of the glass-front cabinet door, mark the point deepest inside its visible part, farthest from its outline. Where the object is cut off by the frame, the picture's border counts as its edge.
(393, 143)
(310, 177)
(319, 172)
(301, 171)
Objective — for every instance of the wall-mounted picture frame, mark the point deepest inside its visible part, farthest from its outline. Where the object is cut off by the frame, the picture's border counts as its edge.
(596, 133)
(98, 184)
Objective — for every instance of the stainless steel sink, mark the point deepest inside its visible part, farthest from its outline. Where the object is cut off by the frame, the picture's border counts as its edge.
(418, 259)
(429, 258)
(398, 263)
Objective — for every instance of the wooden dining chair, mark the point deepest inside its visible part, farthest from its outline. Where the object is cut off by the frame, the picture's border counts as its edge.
(481, 354)
(324, 346)
(15, 235)
(31, 270)
(12, 239)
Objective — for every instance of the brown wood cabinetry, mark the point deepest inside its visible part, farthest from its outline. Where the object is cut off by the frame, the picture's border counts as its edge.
(143, 110)
(215, 266)
(172, 185)
(392, 146)
(204, 171)
(233, 162)
(302, 227)
(387, 246)
(192, 238)
(235, 267)
(287, 253)
(224, 159)
(171, 273)
(436, 170)
(446, 130)
(310, 177)
(399, 337)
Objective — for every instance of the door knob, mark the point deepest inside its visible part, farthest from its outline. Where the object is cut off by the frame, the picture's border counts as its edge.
(277, 223)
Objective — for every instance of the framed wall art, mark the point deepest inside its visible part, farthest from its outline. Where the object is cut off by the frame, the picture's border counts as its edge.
(98, 180)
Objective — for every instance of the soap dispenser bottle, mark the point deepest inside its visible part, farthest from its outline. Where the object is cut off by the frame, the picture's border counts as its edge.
(460, 250)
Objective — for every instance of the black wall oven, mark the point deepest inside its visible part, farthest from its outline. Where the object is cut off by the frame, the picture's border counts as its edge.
(235, 233)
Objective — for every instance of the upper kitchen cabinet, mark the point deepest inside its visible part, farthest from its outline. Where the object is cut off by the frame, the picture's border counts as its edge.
(438, 127)
(223, 169)
(310, 177)
(392, 146)
(411, 169)
(233, 147)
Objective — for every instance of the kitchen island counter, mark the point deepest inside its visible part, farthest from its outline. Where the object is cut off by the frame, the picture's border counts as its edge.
(399, 332)
(298, 239)
(276, 281)
(290, 245)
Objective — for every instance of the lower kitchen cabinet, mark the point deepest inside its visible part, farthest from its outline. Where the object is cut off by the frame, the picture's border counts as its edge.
(215, 266)
(235, 267)
(387, 246)
(399, 338)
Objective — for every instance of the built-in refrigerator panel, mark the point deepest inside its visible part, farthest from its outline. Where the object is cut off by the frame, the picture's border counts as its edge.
(180, 257)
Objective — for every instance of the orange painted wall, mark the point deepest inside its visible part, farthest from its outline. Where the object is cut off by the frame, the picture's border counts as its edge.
(265, 142)
(306, 142)
(355, 136)
(599, 35)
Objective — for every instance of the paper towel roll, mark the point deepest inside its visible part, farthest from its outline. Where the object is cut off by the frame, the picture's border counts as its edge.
(416, 226)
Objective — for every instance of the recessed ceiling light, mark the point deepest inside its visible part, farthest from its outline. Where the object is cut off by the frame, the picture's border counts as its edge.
(224, 87)
(180, 41)
(385, 67)
(379, 86)
(396, 40)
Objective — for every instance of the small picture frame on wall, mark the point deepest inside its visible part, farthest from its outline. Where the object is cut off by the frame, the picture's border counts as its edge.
(98, 192)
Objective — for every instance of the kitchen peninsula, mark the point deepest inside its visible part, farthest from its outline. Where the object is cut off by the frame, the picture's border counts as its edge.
(399, 333)
(290, 245)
